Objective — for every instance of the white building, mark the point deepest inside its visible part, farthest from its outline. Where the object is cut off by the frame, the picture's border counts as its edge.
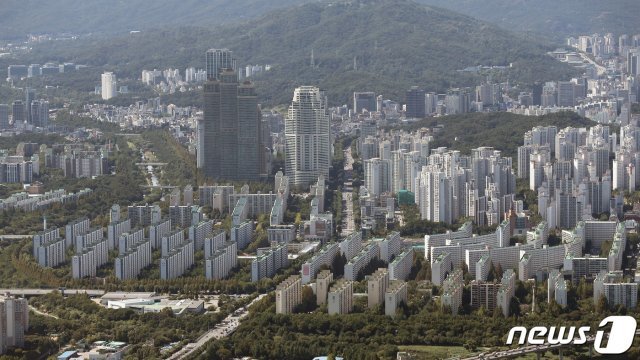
(214, 242)
(351, 245)
(288, 294)
(360, 261)
(452, 291)
(586, 267)
(281, 233)
(340, 299)
(52, 253)
(307, 137)
(377, 176)
(109, 85)
(75, 228)
(221, 261)
(268, 261)
(177, 261)
(128, 265)
(43, 237)
(440, 268)
(157, 231)
(14, 322)
(390, 246)
(506, 292)
(242, 234)
(198, 232)
(117, 228)
(377, 284)
(171, 241)
(128, 239)
(324, 257)
(616, 292)
(323, 280)
(400, 267)
(395, 295)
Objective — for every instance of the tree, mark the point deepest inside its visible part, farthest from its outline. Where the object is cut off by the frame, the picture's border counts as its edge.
(337, 265)
(224, 354)
(308, 302)
(471, 345)
(514, 307)
(602, 305)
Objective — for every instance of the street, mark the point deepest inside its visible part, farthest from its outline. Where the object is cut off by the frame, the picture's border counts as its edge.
(348, 225)
(226, 327)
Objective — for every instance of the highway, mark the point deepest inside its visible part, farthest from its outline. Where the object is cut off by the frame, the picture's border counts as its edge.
(599, 68)
(349, 225)
(226, 327)
(15, 237)
(528, 349)
(36, 292)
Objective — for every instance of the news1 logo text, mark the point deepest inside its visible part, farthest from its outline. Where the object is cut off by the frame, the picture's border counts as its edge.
(620, 337)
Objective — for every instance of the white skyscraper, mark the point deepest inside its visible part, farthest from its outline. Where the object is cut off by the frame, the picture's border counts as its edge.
(307, 136)
(108, 85)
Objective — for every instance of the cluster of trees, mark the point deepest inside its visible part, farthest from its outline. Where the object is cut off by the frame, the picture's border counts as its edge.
(65, 118)
(368, 334)
(181, 167)
(122, 188)
(78, 320)
(10, 142)
(414, 226)
(469, 131)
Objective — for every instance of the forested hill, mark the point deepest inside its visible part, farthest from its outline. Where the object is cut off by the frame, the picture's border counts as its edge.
(23, 17)
(502, 131)
(554, 18)
(379, 45)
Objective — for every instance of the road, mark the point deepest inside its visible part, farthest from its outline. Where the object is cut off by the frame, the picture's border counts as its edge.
(42, 313)
(226, 327)
(349, 224)
(599, 68)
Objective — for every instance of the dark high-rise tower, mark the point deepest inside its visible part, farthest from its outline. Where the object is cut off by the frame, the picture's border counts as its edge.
(415, 103)
(4, 116)
(364, 100)
(231, 129)
(217, 60)
(536, 94)
(40, 113)
(18, 112)
(29, 96)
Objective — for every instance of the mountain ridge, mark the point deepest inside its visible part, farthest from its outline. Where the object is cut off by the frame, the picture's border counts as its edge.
(551, 18)
(393, 44)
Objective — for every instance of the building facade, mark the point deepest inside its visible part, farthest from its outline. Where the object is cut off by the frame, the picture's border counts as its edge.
(307, 137)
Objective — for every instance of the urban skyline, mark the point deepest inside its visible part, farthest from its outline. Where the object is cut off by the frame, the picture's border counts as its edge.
(368, 179)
